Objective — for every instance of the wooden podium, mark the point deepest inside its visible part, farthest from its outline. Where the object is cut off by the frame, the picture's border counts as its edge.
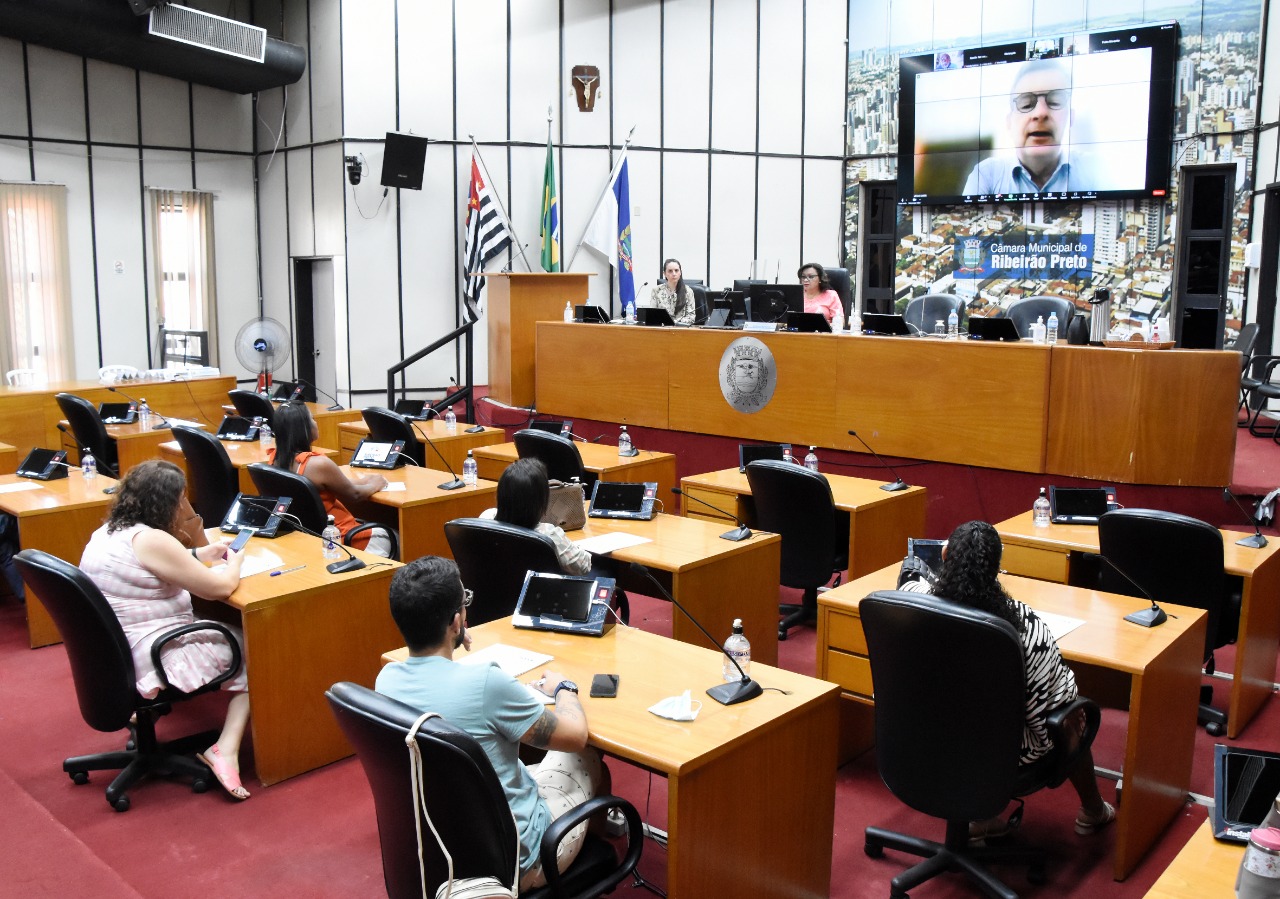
(516, 301)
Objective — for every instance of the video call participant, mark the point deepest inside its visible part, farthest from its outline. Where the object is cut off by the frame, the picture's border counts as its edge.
(429, 605)
(673, 295)
(818, 295)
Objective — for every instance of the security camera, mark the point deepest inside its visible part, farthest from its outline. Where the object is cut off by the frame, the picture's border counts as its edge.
(354, 169)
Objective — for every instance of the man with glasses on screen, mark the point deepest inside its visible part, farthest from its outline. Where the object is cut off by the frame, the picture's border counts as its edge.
(1039, 120)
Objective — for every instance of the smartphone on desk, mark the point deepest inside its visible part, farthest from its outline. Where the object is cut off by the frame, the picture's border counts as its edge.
(605, 686)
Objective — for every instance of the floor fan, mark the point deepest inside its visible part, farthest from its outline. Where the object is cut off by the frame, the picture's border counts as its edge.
(262, 345)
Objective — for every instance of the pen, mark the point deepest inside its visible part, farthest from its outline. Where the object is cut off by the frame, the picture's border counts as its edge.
(287, 570)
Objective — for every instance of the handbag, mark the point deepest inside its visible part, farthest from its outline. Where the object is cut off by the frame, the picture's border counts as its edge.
(566, 508)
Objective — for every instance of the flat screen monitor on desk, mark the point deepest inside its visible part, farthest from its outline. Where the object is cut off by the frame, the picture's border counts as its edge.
(772, 302)
(876, 323)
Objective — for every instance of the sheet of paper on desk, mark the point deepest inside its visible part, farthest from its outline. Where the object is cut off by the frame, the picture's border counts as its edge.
(604, 544)
(511, 659)
(23, 485)
(1059, 625)
(394, 487)
(183, 423)
(258, 561)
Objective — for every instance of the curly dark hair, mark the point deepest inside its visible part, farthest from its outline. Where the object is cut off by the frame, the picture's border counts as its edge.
(149, 494)
(969, 572)
(292, 432)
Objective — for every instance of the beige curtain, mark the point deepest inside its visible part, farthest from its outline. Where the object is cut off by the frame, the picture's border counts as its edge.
(35, 280)
(186, 296)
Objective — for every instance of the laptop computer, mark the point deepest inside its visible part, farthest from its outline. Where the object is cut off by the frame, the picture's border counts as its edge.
(371, 454)
(594, 314)
(43, 465)
(236, 427)
(283, 391)
(1080, 505)
(563, 428)
(812, 322)
(118, 413)
(615, 499)
(750, 452)
(414, 409)
(879, 323)
(655, 317)
(993, 329)
(566, 603)
(261, 513)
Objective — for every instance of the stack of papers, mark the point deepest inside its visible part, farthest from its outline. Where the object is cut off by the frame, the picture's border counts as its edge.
(511, 659)
(604, 544)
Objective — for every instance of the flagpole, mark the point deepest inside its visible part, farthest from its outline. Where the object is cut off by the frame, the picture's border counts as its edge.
(506, 219)
(608, 185)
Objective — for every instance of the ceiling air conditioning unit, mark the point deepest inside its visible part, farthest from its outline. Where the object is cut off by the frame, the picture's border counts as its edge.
(209, 32)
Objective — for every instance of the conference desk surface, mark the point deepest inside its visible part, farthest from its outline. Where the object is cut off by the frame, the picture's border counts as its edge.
(8, 459)
(57, 517)
(600, 459)
(1119, 415)
(420, 510)
(1204, 867)
(717, 580)
(1045, 553)
(736, 826)
(327, 420)
(304, 631)
(880, 522)
(242, 454)
(453, 445)
(137, 442)
(1153, 672)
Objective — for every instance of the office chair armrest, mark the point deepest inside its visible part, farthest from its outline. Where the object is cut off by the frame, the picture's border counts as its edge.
(575, 816)
(392, 534)
(1062, 736)
(1268, 364)
(171, 635)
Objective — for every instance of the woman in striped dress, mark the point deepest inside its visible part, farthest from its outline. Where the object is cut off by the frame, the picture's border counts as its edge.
(146, 562)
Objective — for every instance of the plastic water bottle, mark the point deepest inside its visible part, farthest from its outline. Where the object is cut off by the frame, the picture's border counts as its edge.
(786, 454)
(469, 470)
(1040, 511)
(738, 648)
(266, 440)
(1155, 332)
(624, 442)
(1259, 876)
(450, 421)
(144, 414)
(568, 311)
(331, 537)
(1052, 334)
(631, 313)
(855, 323)
(811, 460)
(1038, 331)
(953, 326)
(88, 464)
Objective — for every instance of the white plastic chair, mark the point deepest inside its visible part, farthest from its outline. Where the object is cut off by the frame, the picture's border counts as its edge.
(111, 374)
(22, 377)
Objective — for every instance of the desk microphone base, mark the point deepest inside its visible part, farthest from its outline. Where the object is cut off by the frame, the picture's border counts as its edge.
(1256, 541)
(352, 564)
(742, 533)
(735, 691)
(455, 484)
(1149, 617)
(895, 486)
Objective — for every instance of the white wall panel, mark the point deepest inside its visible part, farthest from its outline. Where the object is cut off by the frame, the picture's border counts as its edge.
(586, 42)
(119, 212)
(166, 111)
(585, 173)
(223, 120)
(646, 215)
(268, 123)
(274, 235)
(113, 107)
(686, 87)
(636, 73)
(15, 162)
(684, 212)
(781, 78)
(328, 189)
(732, 223)
(535, 54)
(826, 71)
(235, 244)
(372, 296)
(322, 46)
(823, 188)
(368, 67)
(778, 222)
(733, 99)
(325, 68)
(525, 203)
(57, 94)
(426, 74)
(13, 104)
(169, 169)
(302, 233)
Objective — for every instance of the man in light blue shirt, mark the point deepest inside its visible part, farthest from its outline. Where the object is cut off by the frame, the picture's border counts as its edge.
(428, 604)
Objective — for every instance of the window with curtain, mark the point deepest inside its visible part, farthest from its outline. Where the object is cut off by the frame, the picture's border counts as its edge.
(183, 263)
(35, 281)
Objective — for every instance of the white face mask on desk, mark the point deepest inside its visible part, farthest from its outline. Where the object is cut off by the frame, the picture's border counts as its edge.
(677, 708)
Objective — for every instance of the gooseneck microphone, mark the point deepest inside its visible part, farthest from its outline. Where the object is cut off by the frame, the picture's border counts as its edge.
(350, 563)
(1257, 541)
(899, 484)
(336, 407)
(1148, 617)
(160, 425)
(741, 532)
(457, 482)
(730, 692)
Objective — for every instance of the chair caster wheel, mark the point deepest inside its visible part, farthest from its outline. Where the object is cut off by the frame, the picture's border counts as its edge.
(79, 777)
(1214, 729)
(120, 804)
(782, 634)
(873, 850)
(199, 786)
(1037, 875)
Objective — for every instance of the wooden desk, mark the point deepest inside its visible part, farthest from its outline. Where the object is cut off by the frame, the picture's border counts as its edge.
(452, 446)
(718, 580)
(241, 453)
(326, 419)
(516, 301)
(732, 828)
(879, 522)
(57, 517)
(304, 631)
(601, 460)
(9, 459)
(1154, 672)
(419, 512)
(1204, 867)
(137, 442)
(1046, 553)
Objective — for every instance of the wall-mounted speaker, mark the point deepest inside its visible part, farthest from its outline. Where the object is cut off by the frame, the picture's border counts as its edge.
(403, 160)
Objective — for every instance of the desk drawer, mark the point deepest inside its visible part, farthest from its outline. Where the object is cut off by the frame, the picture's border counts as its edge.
(715, 500)
(852, 672)
(1042, 564)
(844, 633)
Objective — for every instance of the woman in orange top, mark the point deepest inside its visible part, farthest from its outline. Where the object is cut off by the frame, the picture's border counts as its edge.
(295, 431)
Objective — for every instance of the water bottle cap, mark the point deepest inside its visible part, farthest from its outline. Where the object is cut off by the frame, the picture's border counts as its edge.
(1266, 838)
(737, 625)
(330, 519)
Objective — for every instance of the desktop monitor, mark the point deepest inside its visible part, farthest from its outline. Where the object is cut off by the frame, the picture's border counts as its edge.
(772, 302)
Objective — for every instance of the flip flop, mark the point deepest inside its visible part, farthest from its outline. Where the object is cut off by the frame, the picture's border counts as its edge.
(224, 771)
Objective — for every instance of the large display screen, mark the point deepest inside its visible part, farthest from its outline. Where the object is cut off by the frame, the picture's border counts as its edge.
(1078, 116)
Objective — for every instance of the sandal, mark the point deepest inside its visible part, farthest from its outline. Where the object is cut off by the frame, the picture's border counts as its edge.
(990, 829)
(224, 771)
(1087, 824)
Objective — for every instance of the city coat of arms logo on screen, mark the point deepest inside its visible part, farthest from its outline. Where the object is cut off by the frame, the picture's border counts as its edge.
(747, 375)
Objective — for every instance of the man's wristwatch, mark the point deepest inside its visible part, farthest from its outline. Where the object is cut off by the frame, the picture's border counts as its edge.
(565, 685)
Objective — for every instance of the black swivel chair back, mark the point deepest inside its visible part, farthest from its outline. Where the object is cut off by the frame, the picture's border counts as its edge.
(1025, 313)
(253, 405)
(212, 480)
(466, 804)
(926, 311)
(386, 426)
(307, 505)
(840, 283)
(559, 454)
(88, 430)
(492, 558)
(106, 683)
(796, 504)
(701, 308)
(1176, 559)
(950, 693)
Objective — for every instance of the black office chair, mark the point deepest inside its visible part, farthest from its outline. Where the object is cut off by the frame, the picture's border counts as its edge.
(926, 311)
(253, 405)
(559, 454)
(1256, 385)
(466, 806)
(950, 694)
(307, 504)
(701, 308)
(89, 431)
(386, 426)
(840, 283)
(106, 683)
(493, 558)
(1025, 313)
(212, 480)
(796, 504)
(1176, 559)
